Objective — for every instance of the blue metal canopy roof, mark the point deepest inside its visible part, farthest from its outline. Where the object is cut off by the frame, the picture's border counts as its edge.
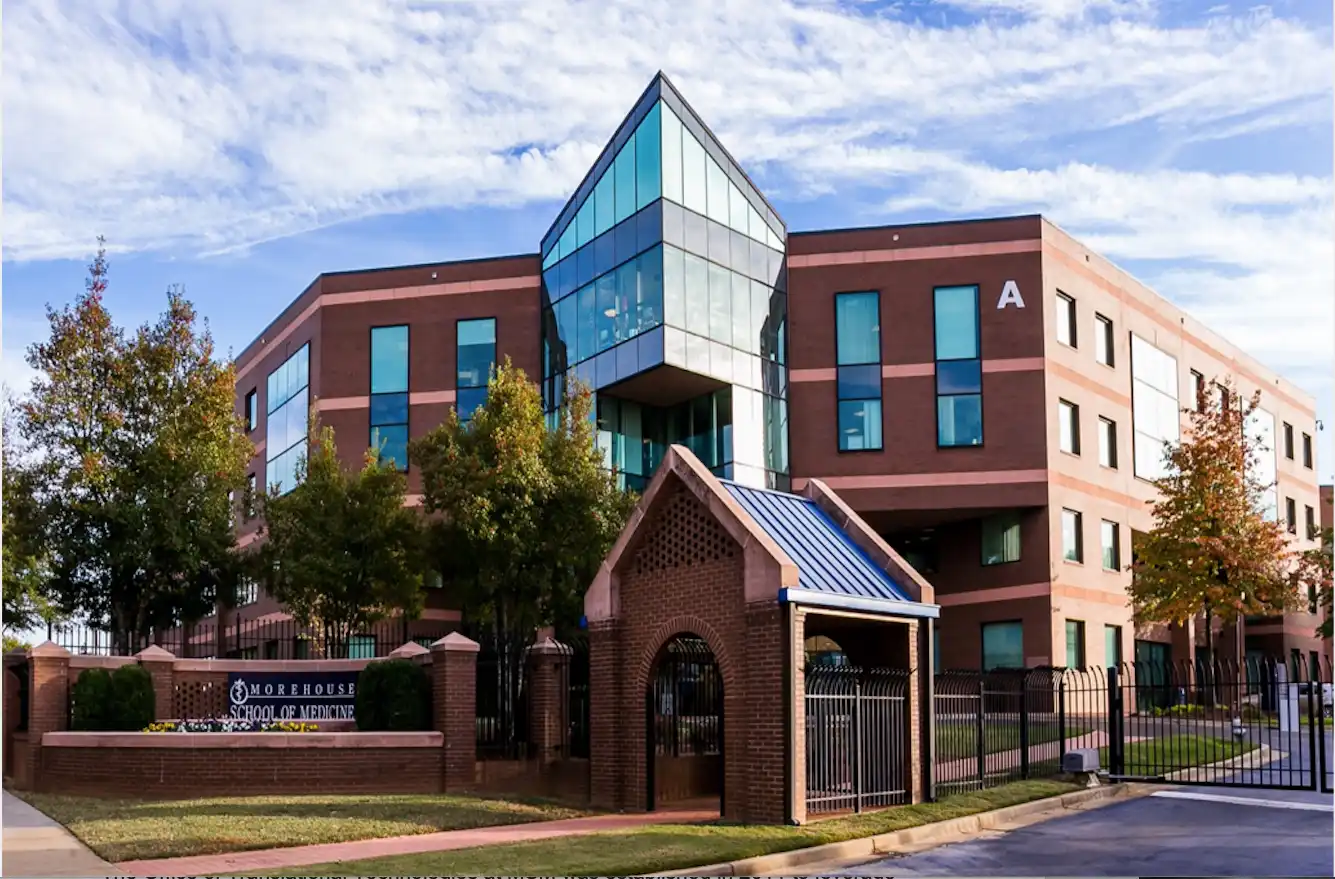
(831, 568)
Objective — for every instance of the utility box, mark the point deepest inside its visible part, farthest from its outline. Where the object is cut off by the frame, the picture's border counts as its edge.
(1081, 760)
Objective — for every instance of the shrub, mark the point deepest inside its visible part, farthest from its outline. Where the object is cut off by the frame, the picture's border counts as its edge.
(103, 701)
(90, 699)
(134, 704)
(395, 695)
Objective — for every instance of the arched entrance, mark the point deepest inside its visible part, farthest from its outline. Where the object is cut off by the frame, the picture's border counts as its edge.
(684, 719)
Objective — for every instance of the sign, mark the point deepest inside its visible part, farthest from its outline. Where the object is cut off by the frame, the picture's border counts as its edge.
(1010, 295)
(292, 695)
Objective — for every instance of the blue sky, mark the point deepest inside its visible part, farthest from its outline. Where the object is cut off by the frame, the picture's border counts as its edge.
(240, 147)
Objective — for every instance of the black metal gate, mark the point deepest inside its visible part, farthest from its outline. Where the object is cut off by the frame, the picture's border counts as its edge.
(857, 734)
(1263, 723)
(684, 714)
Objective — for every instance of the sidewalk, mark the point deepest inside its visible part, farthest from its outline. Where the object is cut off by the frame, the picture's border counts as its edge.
(1002, 761)
(34, 845)
(306, 855)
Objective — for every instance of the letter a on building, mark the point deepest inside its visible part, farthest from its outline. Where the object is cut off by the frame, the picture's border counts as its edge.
(1010, 295)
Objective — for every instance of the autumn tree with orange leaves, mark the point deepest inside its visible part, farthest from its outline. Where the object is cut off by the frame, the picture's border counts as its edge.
(1212, 551)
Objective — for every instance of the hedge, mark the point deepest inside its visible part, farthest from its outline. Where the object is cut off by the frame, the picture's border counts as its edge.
(393, 695)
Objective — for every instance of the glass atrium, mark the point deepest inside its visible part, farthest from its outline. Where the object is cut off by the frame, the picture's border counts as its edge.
(665, 291)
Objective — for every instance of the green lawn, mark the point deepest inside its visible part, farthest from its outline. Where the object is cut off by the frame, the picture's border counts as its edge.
(123, 830)
(660, 848)
(959, 740)
(1161, 756)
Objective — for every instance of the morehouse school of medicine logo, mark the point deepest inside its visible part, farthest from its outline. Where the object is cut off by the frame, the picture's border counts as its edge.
(239, 692)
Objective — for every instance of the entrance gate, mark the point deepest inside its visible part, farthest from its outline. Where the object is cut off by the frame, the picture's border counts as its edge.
(1263, 724)
(857, 738)
(684, 714)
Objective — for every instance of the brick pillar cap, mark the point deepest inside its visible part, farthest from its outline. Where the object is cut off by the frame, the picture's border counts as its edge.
(550, 647)
(154, 653)
(456, 642)
(49, 649)
(408, 651)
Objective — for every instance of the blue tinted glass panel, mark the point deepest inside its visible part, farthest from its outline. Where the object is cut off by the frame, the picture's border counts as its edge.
(476, 352)
(392, 441)
(389, 408)
(959, 377)
(959, 420)
(650, 223)
(606, 310)
(651, 289)
(584, 317)
(389, 359)
(1003, 646)
(857, 318)
(956, 323)
(648, 158)
(604, 203)
(624, 169)
(584, 224)
(468, 400)
(627, 240)
(584, 265)
(604, 254)
(565, 284)
(567, 242)
(566, 326)
(859, 425)
(628, 300)
(674, 288)
(672, 157)
(859, 382)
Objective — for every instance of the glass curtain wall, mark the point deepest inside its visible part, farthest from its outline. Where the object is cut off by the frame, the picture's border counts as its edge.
(288, 409)
(667, 261)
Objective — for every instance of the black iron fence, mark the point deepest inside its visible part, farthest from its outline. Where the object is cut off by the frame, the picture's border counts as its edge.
(857, 735)
(577, 695)
(261, 636)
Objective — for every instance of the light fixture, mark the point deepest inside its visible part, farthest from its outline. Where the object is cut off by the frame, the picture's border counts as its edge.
(611, 312)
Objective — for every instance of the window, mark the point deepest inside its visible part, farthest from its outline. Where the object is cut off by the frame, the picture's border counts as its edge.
(249, 512)
(959, 380)
(252, 416)
(936, 650)
(1103, 340)
(1073, 547)
(1111, 545)
(1260, 426)
(247, 592)
(1291, 515)
(857, 322)
(1001, 539)
(1066, 331)
(271, 649)
(1003, 645)
(1108, 443)
(1075, 644)
(287, 422)
(1288, 441)
(476, 358)
(389, 394)
(1155, 419)
(1112, 645)
(361, 647)
(1309, 522)
(1198, 390)
(1307, 451)
(1068, 427)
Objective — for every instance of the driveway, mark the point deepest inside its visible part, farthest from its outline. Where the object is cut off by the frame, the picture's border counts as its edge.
(1186, 831)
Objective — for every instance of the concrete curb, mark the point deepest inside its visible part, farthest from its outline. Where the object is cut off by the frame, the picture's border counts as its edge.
(870, 847)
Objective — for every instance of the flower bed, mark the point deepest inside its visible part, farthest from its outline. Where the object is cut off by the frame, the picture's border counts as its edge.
(231, 725)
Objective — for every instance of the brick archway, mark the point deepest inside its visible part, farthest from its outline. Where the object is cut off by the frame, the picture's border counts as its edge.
(684, 712)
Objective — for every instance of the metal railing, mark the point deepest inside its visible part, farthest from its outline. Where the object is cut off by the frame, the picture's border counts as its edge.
(857, 734)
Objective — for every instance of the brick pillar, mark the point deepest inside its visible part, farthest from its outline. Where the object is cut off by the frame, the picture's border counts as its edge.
(610, 721)
(548, 699)
(48, 704)
(755, 750)
(160, 665)
(797, 747)
(454, 707)
(912, 660)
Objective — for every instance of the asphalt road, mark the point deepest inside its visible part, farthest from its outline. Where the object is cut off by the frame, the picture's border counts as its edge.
(1183, 831)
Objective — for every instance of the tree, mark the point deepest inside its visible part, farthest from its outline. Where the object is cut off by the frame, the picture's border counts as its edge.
(1211, 550)
(137, 448)
(342, 550)
(1314, 573)
(26, 572)
(522, 515)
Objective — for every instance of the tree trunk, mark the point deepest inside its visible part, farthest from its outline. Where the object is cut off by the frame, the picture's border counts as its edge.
(1208, 672)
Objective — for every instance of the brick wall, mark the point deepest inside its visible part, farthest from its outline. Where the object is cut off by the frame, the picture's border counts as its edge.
(202, 772)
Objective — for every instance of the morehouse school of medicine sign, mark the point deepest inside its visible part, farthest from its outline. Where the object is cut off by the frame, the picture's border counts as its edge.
(292, 695)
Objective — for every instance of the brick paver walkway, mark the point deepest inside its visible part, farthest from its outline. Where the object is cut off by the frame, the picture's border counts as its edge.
(306, 855)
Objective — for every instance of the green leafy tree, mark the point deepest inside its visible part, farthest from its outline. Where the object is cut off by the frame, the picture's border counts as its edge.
(1211, 551)
(137, 447)
(26, 573)
(341, 549)
(521, 515)
(1314, 573)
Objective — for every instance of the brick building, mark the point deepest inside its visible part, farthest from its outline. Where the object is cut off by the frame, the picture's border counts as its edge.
(990, 395)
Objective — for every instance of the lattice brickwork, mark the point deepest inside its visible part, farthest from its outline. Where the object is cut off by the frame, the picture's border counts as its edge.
(684, 534)
(200, 695)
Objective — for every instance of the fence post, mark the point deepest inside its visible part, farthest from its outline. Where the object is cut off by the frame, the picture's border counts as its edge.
(857, 745)
(548, 699)
(1116, 757)
(1316, 725)
(1061, 719)
(160, 665)
(982, 737)
(1024, 725)
(48, 708)
(454, 707)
